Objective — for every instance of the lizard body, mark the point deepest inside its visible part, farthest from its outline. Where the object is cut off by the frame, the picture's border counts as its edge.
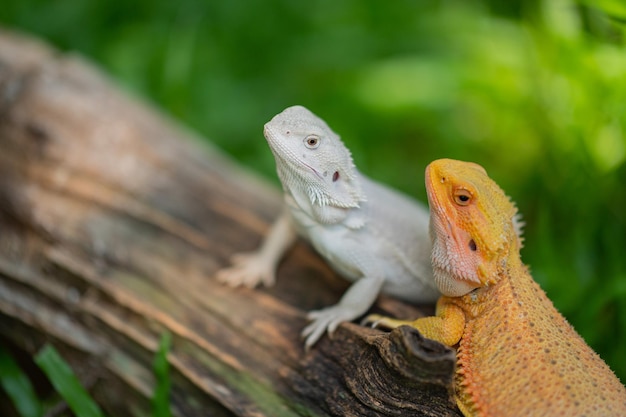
(517, 355)
(370, 234)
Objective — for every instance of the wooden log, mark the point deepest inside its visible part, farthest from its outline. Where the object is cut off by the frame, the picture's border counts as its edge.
(113, 222)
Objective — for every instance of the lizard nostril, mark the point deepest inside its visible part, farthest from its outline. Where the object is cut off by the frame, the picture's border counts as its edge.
(335, 176)
(472, 245)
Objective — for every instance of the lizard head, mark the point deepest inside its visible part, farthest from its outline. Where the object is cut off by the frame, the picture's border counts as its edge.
(310, 155)
(473, 224)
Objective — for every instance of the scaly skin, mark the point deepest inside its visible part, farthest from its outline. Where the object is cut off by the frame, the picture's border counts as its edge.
(370, 234)
(517, 356)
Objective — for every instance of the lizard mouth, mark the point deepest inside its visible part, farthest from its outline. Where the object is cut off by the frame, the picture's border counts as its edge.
(311, 168)
(285, 154)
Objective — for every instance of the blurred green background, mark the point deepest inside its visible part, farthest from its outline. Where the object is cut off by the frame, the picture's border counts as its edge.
(535, 91)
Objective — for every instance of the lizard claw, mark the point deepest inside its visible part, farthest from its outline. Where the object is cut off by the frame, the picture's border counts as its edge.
(372, 320)
(376, 321)
(249, 270)
(327, 319)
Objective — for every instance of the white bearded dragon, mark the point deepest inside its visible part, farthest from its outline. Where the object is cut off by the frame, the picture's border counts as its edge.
(368, 233)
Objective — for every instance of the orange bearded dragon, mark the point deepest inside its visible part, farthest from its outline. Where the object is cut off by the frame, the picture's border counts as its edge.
(516, 355)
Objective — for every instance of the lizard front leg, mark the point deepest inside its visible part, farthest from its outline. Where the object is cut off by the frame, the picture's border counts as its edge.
(355, 302)
(250, 269)
(445, 327)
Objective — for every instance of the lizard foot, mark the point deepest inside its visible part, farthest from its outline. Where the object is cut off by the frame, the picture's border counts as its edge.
(327, 320)
(249, 270)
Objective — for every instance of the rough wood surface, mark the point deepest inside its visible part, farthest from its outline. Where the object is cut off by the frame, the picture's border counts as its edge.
(113, 221)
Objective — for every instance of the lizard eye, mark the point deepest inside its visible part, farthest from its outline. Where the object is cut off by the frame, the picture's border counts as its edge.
(312, 141)
(462, 197)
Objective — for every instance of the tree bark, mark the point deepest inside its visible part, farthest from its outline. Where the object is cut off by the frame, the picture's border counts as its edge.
(113, 222)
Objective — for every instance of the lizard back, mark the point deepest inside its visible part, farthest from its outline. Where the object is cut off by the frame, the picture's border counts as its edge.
(519, 356)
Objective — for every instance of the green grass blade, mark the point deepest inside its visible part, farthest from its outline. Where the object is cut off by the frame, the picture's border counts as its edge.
(161, 367)
(66, 383)
(18, 387)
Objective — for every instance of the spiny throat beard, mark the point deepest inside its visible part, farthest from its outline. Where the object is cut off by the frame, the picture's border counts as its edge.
(452, 279)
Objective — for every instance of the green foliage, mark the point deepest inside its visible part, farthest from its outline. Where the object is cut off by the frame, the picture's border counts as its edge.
(161, 368)
(17, 386)
(66, 383)
(532, 90)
